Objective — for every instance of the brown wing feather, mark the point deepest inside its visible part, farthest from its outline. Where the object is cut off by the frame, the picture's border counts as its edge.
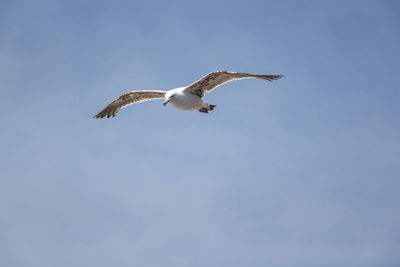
(129, 98)
(216, 78)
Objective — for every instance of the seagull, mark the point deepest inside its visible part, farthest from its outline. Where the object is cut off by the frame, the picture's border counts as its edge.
(185, 98)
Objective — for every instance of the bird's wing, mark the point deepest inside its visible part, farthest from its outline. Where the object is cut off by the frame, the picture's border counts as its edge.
(216, 78)
(127, 99)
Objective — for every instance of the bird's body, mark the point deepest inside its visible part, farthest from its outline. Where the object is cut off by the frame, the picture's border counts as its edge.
(185, 101)
(185, 98)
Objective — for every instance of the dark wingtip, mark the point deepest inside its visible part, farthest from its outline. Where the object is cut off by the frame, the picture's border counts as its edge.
(98, 116)
(269, 78)
(108, 112)
(275, 77)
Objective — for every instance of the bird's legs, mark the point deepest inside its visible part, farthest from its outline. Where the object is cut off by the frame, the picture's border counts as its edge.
(207, 109)
(211, 107)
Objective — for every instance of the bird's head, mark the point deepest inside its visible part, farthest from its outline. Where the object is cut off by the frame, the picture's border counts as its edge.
(169, 97)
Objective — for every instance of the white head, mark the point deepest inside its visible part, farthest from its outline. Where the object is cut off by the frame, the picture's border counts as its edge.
(169, 96)
(172, 94)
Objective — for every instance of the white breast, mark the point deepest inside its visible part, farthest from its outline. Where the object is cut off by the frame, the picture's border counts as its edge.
(187, 101)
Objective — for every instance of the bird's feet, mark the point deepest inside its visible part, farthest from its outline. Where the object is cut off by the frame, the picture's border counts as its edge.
(211, 107)
(207, 109)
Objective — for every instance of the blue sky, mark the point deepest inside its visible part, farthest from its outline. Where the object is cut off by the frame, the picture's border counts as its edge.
(303, 171)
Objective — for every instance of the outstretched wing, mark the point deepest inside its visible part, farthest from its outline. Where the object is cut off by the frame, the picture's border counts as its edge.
(216, 78)
(127, 99)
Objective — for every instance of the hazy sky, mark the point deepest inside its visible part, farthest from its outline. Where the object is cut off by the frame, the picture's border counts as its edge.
(303, 171)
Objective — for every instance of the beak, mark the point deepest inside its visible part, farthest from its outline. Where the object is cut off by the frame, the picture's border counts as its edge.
(166, 101)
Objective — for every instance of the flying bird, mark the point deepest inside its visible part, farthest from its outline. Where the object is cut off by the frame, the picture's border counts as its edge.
(185, 98)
